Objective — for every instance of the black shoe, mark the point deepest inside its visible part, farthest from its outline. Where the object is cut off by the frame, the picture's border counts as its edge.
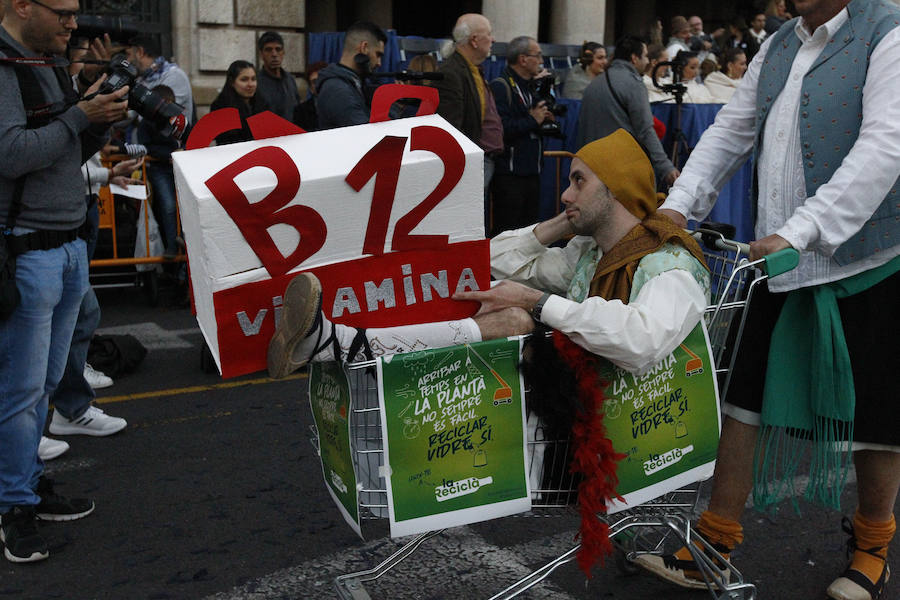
(19, 533)
(54, 507)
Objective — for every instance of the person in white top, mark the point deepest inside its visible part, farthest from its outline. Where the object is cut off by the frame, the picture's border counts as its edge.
(656, 53)
(823, 218)
(680, 39)
(721, 84)
(758, 28)
(688, 65)
(610, 207)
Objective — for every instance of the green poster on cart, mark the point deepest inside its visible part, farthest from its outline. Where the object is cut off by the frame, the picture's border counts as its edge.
(329, 399)
(666, 421)
(453, 421)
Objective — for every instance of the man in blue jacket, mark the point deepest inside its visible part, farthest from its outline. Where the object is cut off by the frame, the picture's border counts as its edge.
(341, 101)
(517, 185)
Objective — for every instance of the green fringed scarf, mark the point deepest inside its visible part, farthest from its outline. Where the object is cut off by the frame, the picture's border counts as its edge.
(809, 396)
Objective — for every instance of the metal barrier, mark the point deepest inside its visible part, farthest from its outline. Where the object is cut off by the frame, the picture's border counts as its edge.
(106, 206)
(558, 155)
(106, 272)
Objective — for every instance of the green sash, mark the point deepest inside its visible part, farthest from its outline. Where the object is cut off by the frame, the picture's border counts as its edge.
(809, 394)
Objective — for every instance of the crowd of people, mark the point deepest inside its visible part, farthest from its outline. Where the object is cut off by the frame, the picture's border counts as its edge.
(605, 273)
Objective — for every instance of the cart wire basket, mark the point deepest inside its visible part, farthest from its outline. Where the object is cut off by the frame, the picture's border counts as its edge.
(650, 528)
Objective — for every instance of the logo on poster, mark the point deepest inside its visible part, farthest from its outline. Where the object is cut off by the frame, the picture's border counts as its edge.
(659, 462)
(464, 487)
(338, 482)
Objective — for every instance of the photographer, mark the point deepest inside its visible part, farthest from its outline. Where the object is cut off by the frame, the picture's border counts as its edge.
(516, 185)
(46, 133)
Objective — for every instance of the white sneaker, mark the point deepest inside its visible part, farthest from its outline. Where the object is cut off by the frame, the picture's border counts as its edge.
(96, 379)
(49, 448)
(93, 422)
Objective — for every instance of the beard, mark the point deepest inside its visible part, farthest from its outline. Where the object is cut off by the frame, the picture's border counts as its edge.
(594, 216)
(43, 41)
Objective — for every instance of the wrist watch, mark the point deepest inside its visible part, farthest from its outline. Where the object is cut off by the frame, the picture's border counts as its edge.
(539, 306)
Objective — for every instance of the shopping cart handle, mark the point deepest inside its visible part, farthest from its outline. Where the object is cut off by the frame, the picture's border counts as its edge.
(781, 262)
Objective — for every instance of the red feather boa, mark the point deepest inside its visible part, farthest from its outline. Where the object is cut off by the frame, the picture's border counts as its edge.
(594, 457)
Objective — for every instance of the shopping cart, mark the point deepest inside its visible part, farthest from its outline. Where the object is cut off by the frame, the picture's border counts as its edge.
(651, 527)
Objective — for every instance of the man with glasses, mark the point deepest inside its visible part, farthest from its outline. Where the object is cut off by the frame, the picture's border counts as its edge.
(516, 189)
(466, 99)
(46, 133)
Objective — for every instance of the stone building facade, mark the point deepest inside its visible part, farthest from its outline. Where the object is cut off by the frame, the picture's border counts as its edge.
(207, 35)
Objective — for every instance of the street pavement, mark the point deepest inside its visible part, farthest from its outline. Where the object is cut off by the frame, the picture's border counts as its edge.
(214, 491)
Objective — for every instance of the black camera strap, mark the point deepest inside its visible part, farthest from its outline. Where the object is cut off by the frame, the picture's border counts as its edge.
(38, 112)
(612, 91)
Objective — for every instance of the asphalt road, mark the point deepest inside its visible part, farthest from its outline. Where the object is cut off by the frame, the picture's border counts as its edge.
(214, 491)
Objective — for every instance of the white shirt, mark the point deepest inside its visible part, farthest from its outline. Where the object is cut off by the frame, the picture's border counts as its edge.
(654, 93)
(819, 224)
(94, 173)
(674, 47)
(633, 336)
(759, 37)
(720, 86)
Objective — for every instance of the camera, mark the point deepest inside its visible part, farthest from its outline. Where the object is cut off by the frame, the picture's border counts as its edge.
(542, 91)
(676, 87)
(167, 117)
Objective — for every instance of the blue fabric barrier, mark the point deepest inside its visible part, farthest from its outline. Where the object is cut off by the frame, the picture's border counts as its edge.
(329, 45)
(733, 205)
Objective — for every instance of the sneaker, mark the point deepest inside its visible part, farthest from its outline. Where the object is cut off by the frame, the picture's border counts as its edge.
(54, 507)
(93, 422)
(49, 448)
(96, 379)
(18, 530)
(300, 332)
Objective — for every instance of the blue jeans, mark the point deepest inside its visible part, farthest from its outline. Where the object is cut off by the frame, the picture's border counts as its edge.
(162, 181)
(74, 394)
(34, 343)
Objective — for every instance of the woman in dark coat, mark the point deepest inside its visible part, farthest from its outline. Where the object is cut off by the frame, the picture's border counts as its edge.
(239, 92)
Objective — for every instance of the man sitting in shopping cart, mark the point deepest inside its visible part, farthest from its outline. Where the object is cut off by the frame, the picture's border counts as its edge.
(629, 286)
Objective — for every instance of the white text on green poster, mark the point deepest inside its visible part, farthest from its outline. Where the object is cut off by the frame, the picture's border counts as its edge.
(666, 420)
(454, 426)
(329, 398)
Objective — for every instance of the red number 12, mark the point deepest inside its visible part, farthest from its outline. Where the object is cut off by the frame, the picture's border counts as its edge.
(383, 161)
